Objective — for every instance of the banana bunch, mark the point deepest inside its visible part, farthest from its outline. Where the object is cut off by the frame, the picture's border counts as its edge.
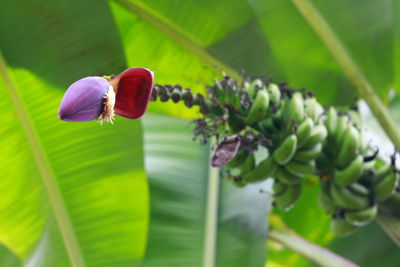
(300, 138)
(352, 185)
(293, 122)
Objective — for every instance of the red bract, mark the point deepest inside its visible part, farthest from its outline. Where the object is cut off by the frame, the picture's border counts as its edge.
(134, 87)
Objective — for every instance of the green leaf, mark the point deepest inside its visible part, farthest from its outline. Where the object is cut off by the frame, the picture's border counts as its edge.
(359, 248)
(306, 56)
(7, 258)
(196, 218)
(73, 194)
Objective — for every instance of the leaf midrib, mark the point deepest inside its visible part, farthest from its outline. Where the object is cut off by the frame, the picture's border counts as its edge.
(53, 191)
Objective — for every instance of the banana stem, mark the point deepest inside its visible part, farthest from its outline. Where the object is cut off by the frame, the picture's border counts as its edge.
(350, 68)
(319, 255)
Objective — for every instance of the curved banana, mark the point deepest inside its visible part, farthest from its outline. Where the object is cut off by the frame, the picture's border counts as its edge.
(253, 86)
(342, 124)
(318, 134)
(348, 147)
(284, 153)
(304, 131)
(344, 198)
(247, 165)
(259, 107)
(262, 171)
(287, 199)
(236, 160)
(331, 120)
(313, 108)
(381, 173)
(351, 173)
(285, 177)
(362, 217)
(274, 93)
(359, 189)
(306, 155)
(294, 108)
(385, 188)
(301, 169)
(341, 227)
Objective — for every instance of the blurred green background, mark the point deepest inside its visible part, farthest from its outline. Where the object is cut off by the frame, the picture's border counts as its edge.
(140, 192)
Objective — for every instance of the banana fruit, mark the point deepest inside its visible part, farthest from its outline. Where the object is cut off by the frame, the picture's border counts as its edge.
(259, 107)
(301, 169)
(317, 135)
(306, 155)
(288, 197)
(284, 153)
(384, 189)
(344, 198)
(348, 147)
(262, 171)
(294, 108)
(351, 173)
(362, 217)
(304, 131)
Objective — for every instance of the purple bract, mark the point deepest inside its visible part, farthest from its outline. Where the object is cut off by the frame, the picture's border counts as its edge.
(84, 100)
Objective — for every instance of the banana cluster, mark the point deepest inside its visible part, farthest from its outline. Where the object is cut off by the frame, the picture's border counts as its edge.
(293, 122)
(299, 138)
(353, 182)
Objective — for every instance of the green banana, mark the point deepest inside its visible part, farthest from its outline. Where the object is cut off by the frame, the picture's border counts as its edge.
(285, 177)
(342, 124)
(313, 108)
(325, 200)
(279, 188)
(381, 173)
(368, 166)
(304, 131)
(331, 120)
(318, 134)
(251, 89)
(301, 169)
(351, 173)
(238, 182)
(344, 198)
(274, 93)
(258, 108)
(306, 155)
(236, 160)
(294, 108)
(359, 189)
(341, 227)
(362, 217)
(245, 167)
(384, 189)
(348, 147)
(263, 170)
(288, 198)
(284, 153)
